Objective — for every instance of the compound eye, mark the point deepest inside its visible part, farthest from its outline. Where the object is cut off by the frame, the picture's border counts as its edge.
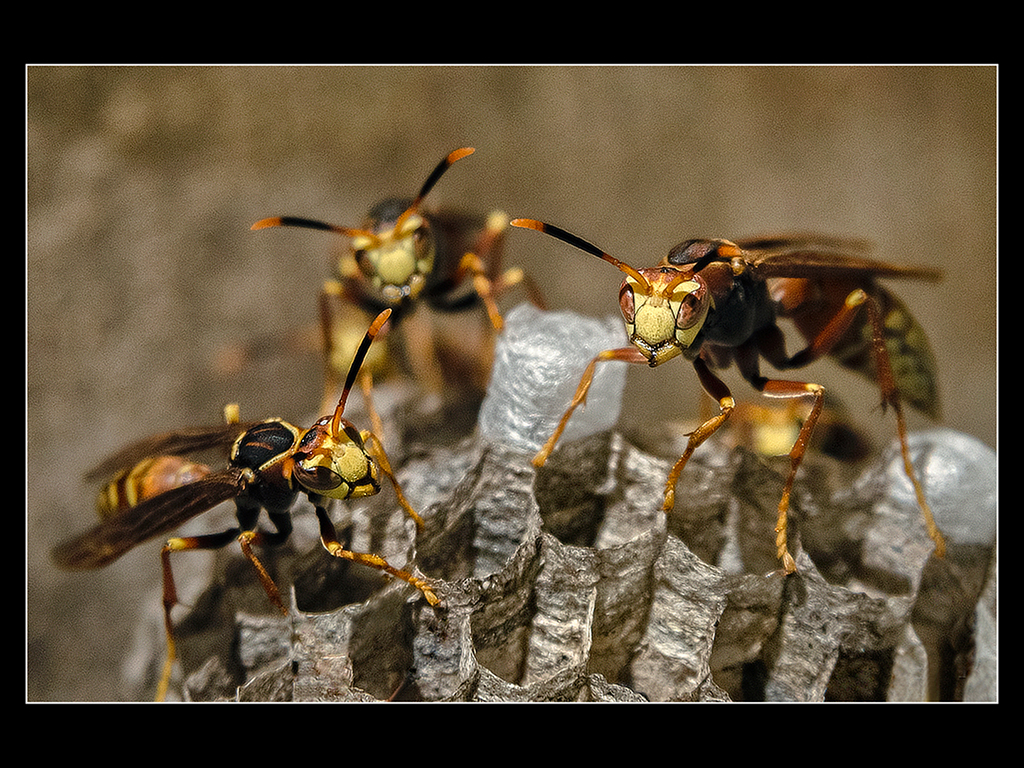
(316, 478)
(363, 262)
(690, 309)
(627, 302)
(353, 435)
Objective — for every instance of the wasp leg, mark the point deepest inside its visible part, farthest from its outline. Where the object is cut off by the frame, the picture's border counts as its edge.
(514, 276)
(790, 389)
(491, 241)
(329, 538)
(252, 535)
(419, 344)
(245, 540)
(623, 354)
(484, 287)
(365, 379)
(232, 414)
(720, 393)
(332, 290)
(327, 339)
(771, 345)
(489, 246)
(170, 596)
(484, 262)
(890, 396)
(376, 448)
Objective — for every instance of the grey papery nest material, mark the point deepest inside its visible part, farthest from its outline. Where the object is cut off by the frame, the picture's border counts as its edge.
(568, 583)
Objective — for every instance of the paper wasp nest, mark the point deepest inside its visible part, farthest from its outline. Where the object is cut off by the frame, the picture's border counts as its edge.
(569, 584)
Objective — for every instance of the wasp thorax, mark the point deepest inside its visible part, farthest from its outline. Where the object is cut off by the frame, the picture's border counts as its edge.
(702, 250)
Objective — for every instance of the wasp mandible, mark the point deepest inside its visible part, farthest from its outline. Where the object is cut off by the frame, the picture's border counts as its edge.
(155, 489)
(403, 256)
(715, 302)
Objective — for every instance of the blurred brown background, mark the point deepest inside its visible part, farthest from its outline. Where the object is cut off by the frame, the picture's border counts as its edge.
(143, 182)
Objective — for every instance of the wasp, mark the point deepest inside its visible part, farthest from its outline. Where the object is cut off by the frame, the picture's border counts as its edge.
(155, 489)
(404, 256)
(716, 302)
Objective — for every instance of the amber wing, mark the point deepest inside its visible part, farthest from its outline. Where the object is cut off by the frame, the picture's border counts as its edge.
(817, 257)
(178, 443)
(159, 515)
(810, 276)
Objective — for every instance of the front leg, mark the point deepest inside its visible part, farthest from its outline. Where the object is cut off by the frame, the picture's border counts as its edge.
(484, 264)
(472, 264)
(329, 538)
(717, 389)
(623, 354)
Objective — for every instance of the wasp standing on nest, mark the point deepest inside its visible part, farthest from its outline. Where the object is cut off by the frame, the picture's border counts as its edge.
(715, 302)
(404, 256)
(155, 490)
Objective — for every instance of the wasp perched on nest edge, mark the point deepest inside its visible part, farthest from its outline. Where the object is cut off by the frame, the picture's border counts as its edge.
(154, 490)
(715, 302)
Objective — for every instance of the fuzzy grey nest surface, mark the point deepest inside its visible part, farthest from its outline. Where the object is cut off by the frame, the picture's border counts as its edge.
(569, 584)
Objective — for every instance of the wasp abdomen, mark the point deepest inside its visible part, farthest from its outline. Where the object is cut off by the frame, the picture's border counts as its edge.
(147, 479)
(910, 355)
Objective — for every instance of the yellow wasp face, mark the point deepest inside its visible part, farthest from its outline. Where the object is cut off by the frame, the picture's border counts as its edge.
(397, 261)
(664, 312)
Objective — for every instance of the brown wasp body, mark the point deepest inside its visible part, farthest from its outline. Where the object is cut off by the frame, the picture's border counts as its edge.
(403, 256)
(155, 490)
(717, 302)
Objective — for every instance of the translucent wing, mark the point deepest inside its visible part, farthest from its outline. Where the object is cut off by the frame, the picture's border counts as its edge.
(159, 515)
(179, 442)
(816, 257)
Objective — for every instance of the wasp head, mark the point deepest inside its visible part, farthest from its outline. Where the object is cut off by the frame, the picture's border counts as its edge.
(664, 310)
(395, 253)
(664, 307)
(331, 460)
